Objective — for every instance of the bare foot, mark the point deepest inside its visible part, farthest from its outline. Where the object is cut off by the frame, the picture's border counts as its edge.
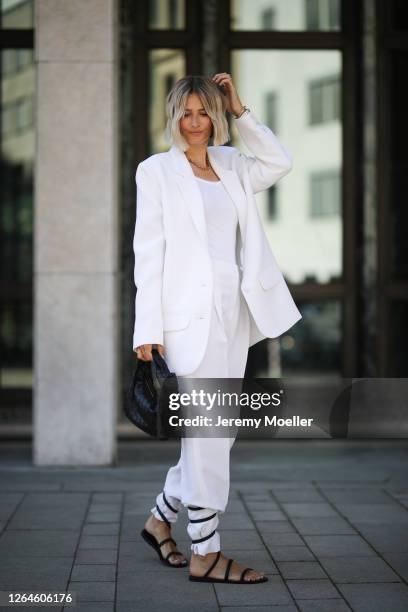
(161, 530)
(199, 564)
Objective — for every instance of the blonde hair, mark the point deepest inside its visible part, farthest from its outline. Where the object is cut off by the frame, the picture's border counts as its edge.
(213, 101)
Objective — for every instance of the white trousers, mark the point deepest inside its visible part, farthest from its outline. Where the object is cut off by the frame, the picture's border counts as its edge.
(201, 478)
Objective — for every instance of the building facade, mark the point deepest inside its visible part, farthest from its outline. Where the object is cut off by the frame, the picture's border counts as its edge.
(82, 98)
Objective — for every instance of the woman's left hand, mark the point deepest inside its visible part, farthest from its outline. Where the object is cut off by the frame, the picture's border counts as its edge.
(234, 104)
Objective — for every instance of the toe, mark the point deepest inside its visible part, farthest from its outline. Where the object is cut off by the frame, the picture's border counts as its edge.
(176, 559)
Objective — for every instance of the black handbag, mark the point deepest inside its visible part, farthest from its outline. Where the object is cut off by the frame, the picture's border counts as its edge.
(147, 404)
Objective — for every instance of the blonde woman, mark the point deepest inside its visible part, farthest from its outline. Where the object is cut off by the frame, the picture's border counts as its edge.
(208, 288)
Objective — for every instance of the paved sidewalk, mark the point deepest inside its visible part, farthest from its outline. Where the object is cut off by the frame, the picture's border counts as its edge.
(326, 519)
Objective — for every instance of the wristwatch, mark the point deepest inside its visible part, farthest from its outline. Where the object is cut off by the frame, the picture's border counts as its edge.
(246, 110)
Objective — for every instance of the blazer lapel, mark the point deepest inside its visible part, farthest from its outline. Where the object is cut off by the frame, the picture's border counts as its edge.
(191, 192)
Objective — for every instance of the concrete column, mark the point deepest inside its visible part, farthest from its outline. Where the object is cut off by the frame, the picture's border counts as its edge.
(76, 233)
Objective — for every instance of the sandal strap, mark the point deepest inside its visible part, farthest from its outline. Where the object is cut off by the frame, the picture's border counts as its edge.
(167, 540)
(166, 501)
(205, 537)
(244, 571)
(227, 569)
(163, 516)
(201, 520)
(173, 552)
(214, 563)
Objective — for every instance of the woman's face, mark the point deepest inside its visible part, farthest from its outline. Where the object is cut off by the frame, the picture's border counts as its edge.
(195, 125)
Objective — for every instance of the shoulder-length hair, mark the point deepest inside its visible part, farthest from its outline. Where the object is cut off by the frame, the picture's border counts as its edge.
(213, 101)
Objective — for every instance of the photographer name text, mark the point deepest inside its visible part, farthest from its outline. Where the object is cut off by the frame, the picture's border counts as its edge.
(266, 421)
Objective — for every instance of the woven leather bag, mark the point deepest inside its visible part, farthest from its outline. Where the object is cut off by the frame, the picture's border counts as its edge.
(147, 402)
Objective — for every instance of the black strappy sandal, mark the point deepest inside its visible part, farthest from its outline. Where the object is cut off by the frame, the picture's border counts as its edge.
(206, 578)
(151, 540)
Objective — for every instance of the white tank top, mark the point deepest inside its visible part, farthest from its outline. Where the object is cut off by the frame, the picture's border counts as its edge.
(221, 218)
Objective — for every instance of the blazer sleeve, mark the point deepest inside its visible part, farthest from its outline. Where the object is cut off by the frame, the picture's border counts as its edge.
(271, 160)
(148, 247)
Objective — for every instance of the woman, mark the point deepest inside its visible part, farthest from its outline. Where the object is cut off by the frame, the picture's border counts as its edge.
(208, 288)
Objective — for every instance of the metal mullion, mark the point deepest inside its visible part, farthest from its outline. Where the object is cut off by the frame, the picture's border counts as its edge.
(352, 187)
(169, 39)
(285, 40)
(16, 39)
(307, 291)
(383, 69)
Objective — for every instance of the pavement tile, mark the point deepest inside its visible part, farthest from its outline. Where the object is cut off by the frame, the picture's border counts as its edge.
(323, 605)
(235, 521)
(359, 569)
(88, 607)
(101, 529)
(8, 504)
(339, 546)
(38, 543)
(275, 527)
(103, 517)
(375, 513)
(262, 505)
(254, 496)
(301, 570)
(312, 589)
(306, 495)
(51, 573)
(288, 608)
(306, 509)
(399, 562)
(58, 519)
(109, 497)
(273, 592)
(384, 537)
(291, 553)
(93, 591)
(380, 597)
(171, 588)
(141, 563)
(96, 556)
(86, 572)
(282, 539)
(105, 507)
(358, 496)
(267, 515)
(323, 526)
(98, 541)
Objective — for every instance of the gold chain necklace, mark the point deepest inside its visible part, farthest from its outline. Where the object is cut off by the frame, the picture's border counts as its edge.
(205, 169)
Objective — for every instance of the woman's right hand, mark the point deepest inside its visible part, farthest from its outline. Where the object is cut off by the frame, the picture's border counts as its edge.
(144, 352)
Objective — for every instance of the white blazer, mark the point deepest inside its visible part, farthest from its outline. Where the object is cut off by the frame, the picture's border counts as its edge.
(173, 272)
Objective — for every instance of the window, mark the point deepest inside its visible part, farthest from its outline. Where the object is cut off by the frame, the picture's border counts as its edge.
(325, 196)
(268, 19)
(324, 100)
(323, 14)
(271, 110)
(272, 203)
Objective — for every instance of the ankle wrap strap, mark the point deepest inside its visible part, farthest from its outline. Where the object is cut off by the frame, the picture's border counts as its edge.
(163, 515)
(166, 501)
(201, 520)
(205, 538)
